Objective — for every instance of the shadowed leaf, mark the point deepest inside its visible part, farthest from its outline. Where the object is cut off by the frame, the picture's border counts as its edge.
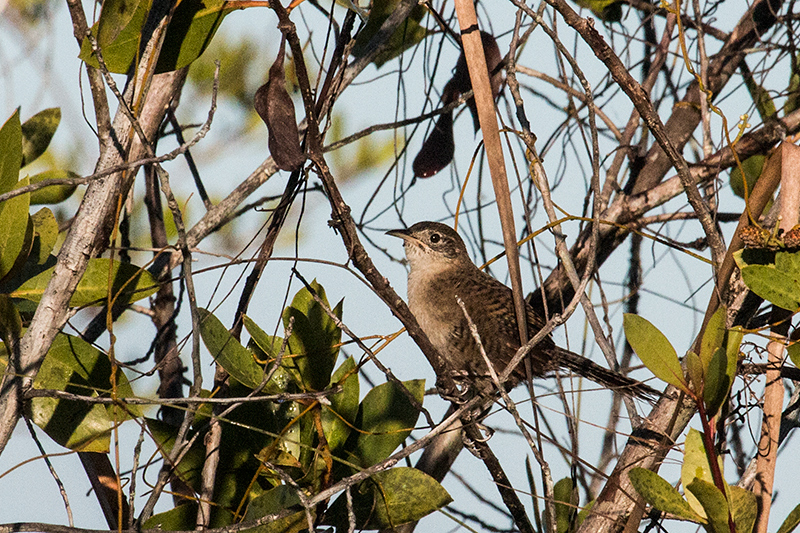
(437, 150)
(37, 132)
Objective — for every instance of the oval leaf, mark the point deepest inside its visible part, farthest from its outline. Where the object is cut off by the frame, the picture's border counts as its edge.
(16, 232)
(654, 350)
(390, 498)
(745, 509)
(338, 417)
(10, 152)
(228, 352)
(128, 284)
(117, 32)
(772, 285)
(385, 418)
(695, 466)
(276, 109)
(37, 132)
(658, 492)
(713, 502)
(53, 194)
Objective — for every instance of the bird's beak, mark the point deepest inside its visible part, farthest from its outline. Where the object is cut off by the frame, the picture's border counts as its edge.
(404, 234)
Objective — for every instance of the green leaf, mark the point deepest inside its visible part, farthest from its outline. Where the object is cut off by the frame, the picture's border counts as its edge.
(267, 348)
(405, 36)
(16, 231)
(794, 353)
(713, 502)
(10, 321)
(10, 153)
(273, 501)
(718, 382)
(385, 418)
(752, 170)
(190, 32)
(791, 522)
(654, 350)
(789, 264)
(694, 367)
(73, 365)
(565, 506)
(761, 98)
(713, 336)
(660, 494)
(745, 509)
(52, 194)
(237, 360)
(184, 517)
(390, 498)
(314, 339)
(37, 132)
(45, 230)
(117, 32)
(339, 417)
(772, 285)
(695, 466)
(606, 10)
(128, 284)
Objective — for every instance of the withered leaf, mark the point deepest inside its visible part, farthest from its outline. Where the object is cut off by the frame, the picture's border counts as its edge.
(276, 109)
(437, 150)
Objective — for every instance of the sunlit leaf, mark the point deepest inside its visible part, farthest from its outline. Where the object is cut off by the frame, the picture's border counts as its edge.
(128, 284)
(713, 503)
(772, 285)
(654, 350)
(745, 509)
(658, 492)
(16, 232)
(695, 465)
(37, 132)
(52, 194)
(791, 522)
(10, 152)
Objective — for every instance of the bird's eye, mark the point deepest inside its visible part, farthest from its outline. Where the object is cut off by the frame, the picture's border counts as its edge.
(435, 237)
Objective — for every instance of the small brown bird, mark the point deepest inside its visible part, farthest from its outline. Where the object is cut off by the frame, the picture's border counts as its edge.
(441, 270)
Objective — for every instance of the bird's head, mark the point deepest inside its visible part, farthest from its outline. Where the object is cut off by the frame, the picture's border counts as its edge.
(432, 246)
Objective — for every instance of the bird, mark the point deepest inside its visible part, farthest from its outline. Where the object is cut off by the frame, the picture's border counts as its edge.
(440, 273)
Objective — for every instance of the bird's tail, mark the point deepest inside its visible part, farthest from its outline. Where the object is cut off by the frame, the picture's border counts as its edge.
(603, 376)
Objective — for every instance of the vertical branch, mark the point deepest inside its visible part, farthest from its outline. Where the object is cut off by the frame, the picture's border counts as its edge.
(773, 392)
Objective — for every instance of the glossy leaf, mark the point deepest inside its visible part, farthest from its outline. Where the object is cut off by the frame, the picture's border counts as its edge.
(713, 502)
(10, 152)
(338, 417)
(237, 360)
(658, 492)
(276, 109)
(654, 350)
(791, 522)
(385, 418)
(772, 285)
(695, 466)
(745, 509)
(37, 132)
(16, 231)
(314, 339)
(52, 194)
(128, 284)
(118, 33)
(390, 498)
(74, 365)
(273, 501)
